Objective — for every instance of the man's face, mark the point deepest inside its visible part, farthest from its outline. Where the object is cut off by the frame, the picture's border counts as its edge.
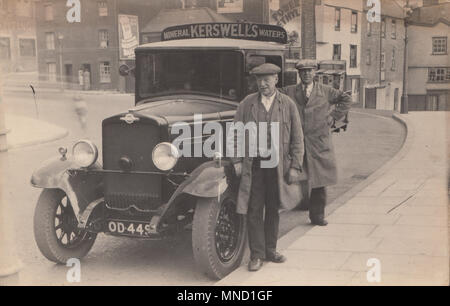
(267, 84)
(307, 75)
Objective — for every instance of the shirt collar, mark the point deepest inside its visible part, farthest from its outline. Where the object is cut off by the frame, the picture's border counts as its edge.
(308, 86)
(268, 101)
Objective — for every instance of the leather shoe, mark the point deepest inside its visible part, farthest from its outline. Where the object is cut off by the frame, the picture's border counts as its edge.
(255, 264)
(320, 222)
(276, 257)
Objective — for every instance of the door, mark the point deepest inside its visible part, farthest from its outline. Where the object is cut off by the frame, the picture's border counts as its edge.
(432, 103)
(371, 98)
(68, 75)
(87, 77)
(51, 72)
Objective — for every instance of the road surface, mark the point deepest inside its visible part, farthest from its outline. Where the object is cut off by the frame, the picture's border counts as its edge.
(368, 144)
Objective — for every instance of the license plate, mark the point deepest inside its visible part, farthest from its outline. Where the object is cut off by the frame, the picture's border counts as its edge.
(129, 228)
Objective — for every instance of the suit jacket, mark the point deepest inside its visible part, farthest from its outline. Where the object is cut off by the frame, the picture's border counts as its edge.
(290, 150)
(323, 102)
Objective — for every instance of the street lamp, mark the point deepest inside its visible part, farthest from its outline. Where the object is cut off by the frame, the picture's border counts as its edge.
(404, 106)
(61, 78)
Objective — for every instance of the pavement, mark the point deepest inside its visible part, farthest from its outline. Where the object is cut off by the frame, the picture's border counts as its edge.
(26, 131)
(391, 230)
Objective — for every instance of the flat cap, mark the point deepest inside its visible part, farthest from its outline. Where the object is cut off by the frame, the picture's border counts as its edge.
(265, 69)
(306, 64)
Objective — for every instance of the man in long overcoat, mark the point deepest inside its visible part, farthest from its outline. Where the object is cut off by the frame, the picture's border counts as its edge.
(319, 106)
(265, 185)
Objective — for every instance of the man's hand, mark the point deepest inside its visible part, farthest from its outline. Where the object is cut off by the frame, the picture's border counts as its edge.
(330, 121)
(238, 169)
(294, 175)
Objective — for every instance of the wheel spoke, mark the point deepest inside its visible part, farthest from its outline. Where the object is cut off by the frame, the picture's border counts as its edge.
(61, 235)
(227, 231)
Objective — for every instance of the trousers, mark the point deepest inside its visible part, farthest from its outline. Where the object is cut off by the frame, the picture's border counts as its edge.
(317, 202)
(262, 217)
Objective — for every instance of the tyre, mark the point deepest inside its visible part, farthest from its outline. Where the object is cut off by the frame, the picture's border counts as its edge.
(218, 235)
(56, 228)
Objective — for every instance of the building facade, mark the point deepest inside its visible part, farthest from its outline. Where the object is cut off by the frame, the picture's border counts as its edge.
(17, 36)
(338, 33)
(428, 58)
(383, 46)
(88, 54)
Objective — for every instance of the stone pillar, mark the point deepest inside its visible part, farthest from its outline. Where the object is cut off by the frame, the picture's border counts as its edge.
(9, 262)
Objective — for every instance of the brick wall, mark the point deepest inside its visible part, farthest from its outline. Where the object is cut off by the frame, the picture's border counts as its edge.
(308, 35)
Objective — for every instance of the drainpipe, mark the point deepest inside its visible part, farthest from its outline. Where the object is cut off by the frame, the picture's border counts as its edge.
(404, 107)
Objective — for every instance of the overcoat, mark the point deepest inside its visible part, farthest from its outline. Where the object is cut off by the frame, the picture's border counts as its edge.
(290, 153)
(320, 163)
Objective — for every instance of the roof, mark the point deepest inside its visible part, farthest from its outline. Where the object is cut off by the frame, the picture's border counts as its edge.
(431, 15)
(213, 43)
(172, 17)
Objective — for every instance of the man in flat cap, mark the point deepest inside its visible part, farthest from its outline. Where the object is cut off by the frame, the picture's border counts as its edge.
(319, 106)
(265, 185)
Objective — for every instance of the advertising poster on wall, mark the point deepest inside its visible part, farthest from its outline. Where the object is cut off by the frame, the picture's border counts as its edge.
(286, 13)
(128, 36)
(230, 6)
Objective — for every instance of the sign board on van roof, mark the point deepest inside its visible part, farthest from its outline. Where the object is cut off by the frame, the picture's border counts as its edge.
(248, 31)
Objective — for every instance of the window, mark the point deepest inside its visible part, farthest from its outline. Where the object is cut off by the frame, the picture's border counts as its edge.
(5, 48)
(369, 57)
(50, 40)
(102, 8)
(337, 19)
(369, 28)
(51, 72)
(393, 64)
(394, 29)
(162, 73)
(336, 52)
(103, 38)
(439, 75)
(48, 7)
(353, 56)
(23, 8)
(354, 28)
(27, 47)
(383, 27)
(105, 72)
(382, 66)
(439, 45)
